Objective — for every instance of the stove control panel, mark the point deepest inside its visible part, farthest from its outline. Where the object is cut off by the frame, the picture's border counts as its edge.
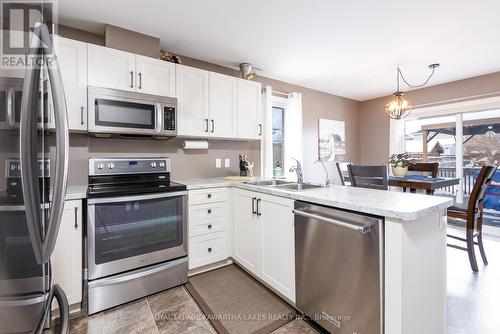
(13, 168)
(128, 166)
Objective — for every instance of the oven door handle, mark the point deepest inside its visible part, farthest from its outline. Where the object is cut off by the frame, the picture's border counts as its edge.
(136, 274)
(104, 200)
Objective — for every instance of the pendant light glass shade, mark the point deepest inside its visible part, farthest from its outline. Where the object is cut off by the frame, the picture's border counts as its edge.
(398, 107)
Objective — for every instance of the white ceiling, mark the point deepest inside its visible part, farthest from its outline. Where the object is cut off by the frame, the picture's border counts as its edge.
(347, 48)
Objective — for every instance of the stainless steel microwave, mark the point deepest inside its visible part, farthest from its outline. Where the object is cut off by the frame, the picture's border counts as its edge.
(117, 112)
(11, 91)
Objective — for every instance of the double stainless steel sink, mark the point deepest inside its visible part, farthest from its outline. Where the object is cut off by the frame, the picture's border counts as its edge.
(285, 185)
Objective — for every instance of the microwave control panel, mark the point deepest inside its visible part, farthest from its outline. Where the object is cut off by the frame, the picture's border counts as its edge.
(169, 118)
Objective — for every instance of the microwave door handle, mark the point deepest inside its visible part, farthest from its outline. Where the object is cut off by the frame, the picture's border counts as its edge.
(159, 118)
(29, 154)
(10, 107)
(62, 146)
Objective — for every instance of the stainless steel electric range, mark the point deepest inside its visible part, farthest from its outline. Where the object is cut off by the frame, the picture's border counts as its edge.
(136, 230)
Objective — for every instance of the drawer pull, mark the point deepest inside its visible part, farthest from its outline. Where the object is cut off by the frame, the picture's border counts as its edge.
(209, 249)
(209, 195)
(209, 226)
(209, 210)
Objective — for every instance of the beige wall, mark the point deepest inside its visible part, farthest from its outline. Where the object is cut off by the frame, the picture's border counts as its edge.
(374, 124)
(185, 164)
(315, 105)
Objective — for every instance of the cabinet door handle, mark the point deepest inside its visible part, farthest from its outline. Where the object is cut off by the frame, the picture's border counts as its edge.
(131, 79)
(210, 249)
(253, 206)
(81, 115)
(257, 211)
(209, 226)
(260, 129)
(209, 211)
(209, 195)
(140, 80)
(206, 124)
(76, 218)
(213, 125)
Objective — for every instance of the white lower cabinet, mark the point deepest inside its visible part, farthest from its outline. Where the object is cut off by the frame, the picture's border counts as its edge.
(67, 256)
(264, 238)
(208, 215)
(247, 230)
(278, 244)
(207, 248)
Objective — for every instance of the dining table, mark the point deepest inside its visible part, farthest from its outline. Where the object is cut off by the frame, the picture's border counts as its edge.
(422, 182)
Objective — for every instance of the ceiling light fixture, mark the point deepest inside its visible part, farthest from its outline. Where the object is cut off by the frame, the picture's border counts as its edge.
(247, 71)
(398, 107)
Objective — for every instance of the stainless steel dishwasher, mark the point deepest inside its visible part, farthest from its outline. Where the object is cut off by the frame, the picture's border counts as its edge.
(338, 268)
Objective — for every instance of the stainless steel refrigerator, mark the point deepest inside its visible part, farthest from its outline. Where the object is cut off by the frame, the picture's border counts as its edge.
(33, 178)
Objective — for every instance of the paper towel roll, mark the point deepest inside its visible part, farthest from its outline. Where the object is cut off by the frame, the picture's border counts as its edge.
(195, 145)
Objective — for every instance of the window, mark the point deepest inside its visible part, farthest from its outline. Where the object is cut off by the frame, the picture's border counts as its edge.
(278, 121)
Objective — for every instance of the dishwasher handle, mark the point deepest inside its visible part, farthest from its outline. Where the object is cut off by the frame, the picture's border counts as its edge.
(358, 228)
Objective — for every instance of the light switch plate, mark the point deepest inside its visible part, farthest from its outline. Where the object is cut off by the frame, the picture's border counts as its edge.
(218, 163)
(227, 163)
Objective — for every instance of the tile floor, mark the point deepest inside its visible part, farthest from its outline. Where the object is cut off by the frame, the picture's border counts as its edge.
(171, 311)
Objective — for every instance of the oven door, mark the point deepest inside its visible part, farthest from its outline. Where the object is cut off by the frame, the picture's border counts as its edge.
(126, 233)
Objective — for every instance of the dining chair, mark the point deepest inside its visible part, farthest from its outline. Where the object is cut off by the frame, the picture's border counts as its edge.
(471, 215)
(373, 177)
(341, 168)
(423, 168)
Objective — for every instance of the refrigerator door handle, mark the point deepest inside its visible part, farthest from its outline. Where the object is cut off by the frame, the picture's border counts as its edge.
(28, 155)
(43, 243)
(62, 302)
(62, 147)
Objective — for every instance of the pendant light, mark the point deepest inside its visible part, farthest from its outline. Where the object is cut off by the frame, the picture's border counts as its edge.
(398, 107)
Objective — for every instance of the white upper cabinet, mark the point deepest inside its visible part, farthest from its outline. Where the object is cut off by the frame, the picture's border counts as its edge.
(72, 57)
(111, 68)
(223, 95)
(249, 109)
(192, 90)
(155, 76)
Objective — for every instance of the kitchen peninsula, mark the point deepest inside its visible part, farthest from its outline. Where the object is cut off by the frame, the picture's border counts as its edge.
(413, 243)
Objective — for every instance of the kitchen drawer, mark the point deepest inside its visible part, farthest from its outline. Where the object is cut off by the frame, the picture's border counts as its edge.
(203, 196)
(204, 226)
(205, 211)
(207, 249)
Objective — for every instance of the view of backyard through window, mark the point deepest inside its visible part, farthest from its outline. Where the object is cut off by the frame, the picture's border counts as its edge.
(434, 140)
(278, 148)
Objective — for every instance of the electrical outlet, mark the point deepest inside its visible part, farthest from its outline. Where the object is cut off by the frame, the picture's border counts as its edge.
(227, 163)
(218, 163)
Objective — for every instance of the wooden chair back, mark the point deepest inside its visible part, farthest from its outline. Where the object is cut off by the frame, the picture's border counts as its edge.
(373, 177)
(340, 174)
(425, 167)
(479, 190)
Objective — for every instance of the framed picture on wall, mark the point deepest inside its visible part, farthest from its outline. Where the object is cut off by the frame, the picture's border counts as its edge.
(331, 140)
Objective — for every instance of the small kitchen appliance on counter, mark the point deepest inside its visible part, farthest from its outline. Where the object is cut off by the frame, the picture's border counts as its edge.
(136, 230)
